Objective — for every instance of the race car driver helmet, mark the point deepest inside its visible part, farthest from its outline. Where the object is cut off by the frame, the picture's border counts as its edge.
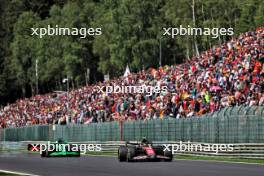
(60, 141)
(144, 141)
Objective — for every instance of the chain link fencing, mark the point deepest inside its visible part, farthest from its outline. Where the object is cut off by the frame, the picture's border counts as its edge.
(230, 125)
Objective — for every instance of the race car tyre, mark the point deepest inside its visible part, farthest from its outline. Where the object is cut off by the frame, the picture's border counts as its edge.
(169, 155)
(122, 153)
(44, 153)
(79, 154)
(131, 153)
(158, 150)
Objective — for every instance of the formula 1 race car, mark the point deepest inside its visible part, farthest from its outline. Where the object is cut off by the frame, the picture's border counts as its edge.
(143, 151)
(59, 148)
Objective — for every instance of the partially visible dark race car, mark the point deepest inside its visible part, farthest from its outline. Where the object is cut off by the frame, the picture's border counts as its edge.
(143, 151)
(66, 151)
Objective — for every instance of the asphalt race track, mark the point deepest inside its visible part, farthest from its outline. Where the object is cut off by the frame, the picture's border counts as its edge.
(109, 166)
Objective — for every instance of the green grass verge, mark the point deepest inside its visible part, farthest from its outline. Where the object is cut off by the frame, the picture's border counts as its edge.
(220, 158)
(197, 158)
(113, 154)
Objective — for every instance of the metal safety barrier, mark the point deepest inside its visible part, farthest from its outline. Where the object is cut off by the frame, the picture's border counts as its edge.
(247, 150)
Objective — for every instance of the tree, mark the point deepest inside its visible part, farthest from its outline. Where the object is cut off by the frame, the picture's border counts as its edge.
(22, 55)
(132, 33)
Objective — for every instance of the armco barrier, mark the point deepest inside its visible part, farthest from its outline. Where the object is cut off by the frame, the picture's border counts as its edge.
(230, 125)
(247, 150)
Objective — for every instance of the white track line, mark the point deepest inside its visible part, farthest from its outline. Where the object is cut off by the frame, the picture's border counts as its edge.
(17, 173)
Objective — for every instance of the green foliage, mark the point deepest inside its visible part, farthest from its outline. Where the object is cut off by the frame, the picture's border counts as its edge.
(131, 34)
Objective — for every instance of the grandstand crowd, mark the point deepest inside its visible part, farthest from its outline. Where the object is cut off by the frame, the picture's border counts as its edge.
(229, 75)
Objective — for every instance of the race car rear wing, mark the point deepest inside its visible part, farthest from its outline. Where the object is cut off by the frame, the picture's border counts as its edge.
(135, 143)
(132, 143)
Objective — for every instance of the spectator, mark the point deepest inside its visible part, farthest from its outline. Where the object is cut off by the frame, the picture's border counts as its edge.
(229, 75)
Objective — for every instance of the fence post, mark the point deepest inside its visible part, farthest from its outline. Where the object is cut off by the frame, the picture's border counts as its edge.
(1, 134)
(121, 130)
(51, 129)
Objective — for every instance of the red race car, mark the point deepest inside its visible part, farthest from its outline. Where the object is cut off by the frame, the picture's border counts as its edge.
(143, 151)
